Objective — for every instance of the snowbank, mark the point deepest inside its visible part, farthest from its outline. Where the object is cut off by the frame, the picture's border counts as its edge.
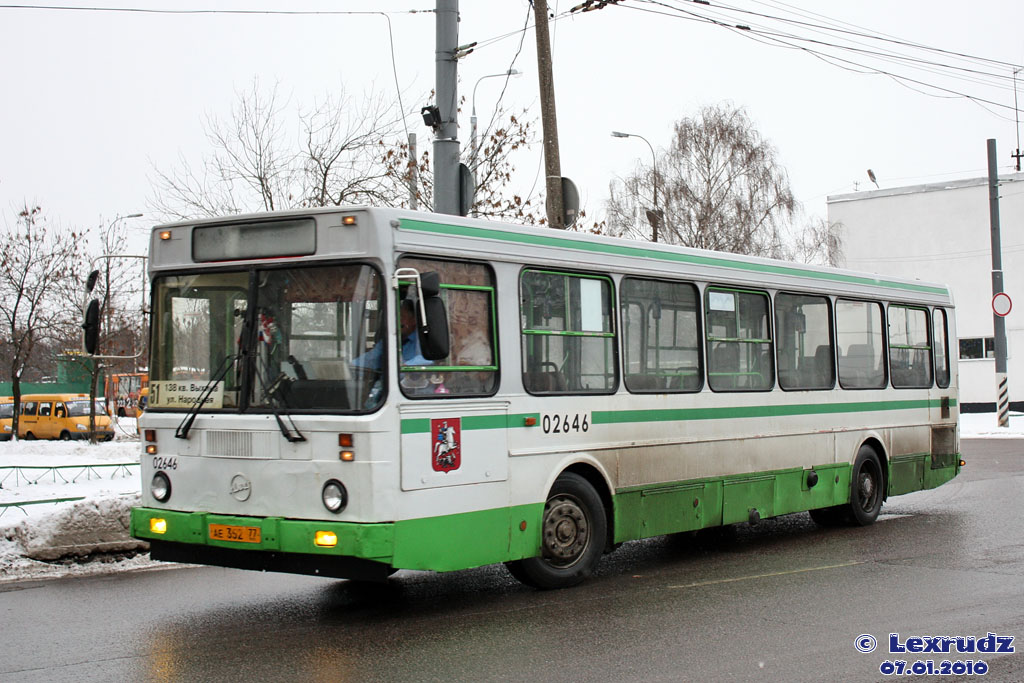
(55, 539)
(52, 539)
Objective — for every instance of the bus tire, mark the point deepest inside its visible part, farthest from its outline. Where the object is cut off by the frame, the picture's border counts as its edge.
(65, 435)
(29, 436)
(867, 488)
(573, 532)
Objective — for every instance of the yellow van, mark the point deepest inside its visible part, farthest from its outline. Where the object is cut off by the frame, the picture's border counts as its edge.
(6, 417)
(61, 416)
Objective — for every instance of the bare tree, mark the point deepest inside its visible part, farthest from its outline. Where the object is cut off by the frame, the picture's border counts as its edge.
(818, 242)
(492, 167)
(37, 262)
(720, 186)
(268, 157)
(342, 151)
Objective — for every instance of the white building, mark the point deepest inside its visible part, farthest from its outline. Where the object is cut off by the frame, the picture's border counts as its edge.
(941, 233)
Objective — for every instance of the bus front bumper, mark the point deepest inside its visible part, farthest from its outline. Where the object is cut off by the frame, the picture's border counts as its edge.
(336, 549)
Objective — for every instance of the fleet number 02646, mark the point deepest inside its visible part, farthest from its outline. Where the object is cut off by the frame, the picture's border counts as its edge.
(556, 423)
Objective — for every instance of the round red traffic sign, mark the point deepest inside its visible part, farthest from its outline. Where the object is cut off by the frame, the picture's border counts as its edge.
(1001, 304)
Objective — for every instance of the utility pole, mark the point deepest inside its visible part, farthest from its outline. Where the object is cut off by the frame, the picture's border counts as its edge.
(549, 122)
(414, 176)
(446, 136)
(1016, 115)
(1002, 390)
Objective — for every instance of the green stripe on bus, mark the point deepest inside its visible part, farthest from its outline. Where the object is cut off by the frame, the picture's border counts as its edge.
(421, 425)
(732, 412)
(556, 242)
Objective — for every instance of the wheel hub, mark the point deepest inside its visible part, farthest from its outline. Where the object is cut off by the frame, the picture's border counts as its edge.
(867, 490)
(566, 531)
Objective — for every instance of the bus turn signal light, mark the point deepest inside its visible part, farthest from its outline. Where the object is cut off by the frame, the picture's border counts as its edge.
(158, 525)
(326, 539)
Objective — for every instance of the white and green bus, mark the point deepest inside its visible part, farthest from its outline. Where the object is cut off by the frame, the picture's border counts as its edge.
(348, 392)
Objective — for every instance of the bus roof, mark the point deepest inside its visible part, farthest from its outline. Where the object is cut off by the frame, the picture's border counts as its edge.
(437, 233)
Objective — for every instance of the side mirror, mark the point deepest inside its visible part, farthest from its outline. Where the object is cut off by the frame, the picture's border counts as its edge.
(92, 327)
(433, 331)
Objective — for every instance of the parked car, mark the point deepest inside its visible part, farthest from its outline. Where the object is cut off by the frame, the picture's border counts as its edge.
(6, 417)
(61, 416)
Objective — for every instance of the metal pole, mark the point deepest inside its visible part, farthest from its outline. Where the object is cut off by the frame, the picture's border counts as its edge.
(1002, 389)
(654, 171)
(548, 119)
(414, 175)
(446, 142)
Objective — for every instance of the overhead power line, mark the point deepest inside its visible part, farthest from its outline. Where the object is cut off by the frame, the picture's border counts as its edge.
(151, 10)
(929, 70)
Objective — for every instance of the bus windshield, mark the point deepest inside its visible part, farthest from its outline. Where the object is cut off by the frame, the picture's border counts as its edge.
(300, 338)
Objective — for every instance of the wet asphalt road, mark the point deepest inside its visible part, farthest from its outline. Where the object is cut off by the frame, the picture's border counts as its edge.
(783, 601)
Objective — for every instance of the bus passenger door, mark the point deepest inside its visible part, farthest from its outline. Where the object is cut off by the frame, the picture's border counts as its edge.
(454, 443)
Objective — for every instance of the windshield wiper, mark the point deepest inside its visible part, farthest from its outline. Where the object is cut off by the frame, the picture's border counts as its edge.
(275, 392)
(186, 424)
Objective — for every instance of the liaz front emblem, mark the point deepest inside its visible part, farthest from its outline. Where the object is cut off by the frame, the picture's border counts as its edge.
(446, 444)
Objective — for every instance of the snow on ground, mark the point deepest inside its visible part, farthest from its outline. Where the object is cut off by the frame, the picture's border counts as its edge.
(53, 539)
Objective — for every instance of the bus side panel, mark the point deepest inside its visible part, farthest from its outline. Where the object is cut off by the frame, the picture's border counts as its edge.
(657, 510)
(465, 540)
(654, 510)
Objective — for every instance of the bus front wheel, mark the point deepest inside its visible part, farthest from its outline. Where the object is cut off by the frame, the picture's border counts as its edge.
(573, 532)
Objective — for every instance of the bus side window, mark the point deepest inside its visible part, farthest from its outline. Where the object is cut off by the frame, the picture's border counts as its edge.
(44, 409)
(803, 325)
(859, 332)
(739, 343)
(567, 334)
(469, 296)
(661, 326)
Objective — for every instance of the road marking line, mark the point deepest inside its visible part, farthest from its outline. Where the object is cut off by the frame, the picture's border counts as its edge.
(764, 576)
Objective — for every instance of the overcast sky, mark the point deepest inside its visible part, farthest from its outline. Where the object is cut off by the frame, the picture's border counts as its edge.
(93, 100)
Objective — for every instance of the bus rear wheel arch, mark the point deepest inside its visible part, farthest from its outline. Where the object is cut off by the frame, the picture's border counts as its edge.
(867, 492)
(574, 531)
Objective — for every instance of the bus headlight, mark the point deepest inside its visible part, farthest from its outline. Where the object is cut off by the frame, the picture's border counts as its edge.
(334, 495)
(160, 487)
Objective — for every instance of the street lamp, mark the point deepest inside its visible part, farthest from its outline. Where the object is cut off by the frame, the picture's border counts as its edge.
(654, 217)
(472, 118)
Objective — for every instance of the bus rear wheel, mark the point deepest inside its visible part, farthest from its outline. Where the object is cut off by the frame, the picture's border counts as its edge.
(867, 488)
(573, 533)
